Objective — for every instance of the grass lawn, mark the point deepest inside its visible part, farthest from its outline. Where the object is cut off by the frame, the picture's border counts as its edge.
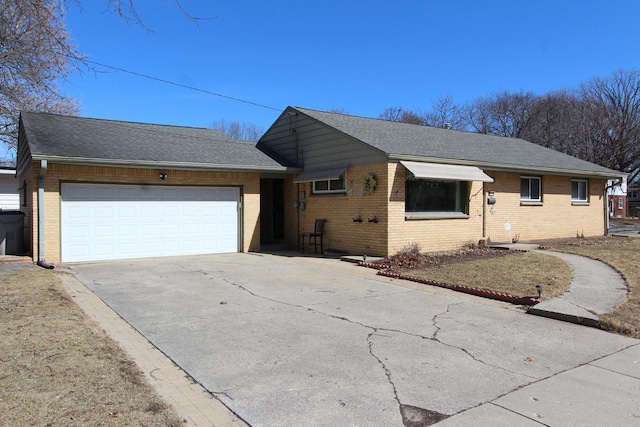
(516, 273)
(57, 367)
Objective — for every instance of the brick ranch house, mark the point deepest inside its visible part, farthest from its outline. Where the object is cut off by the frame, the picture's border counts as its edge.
(100, 189)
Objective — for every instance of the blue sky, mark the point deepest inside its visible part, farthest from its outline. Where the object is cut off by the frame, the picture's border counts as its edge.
(357, 56)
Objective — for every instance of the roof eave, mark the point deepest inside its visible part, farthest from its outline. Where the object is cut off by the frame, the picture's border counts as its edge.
(513, 168)
(150, 164)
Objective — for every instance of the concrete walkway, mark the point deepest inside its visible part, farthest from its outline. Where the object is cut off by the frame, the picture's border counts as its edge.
(595, 289)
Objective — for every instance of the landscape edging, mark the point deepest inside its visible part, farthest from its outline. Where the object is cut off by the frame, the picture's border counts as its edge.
(486, 293)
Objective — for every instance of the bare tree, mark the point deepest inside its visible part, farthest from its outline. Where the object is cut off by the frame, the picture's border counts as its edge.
(238, 130)
(503, 114)
(35, 52)
(556, 123)
(445, 114)
(397, 114)
(611, 120)
(127, 10)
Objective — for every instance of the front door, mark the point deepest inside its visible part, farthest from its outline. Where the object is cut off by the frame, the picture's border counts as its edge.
(271, 211)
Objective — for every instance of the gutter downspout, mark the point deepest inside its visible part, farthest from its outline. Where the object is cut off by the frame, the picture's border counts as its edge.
(41, 173)
(606, 204)
(606, 210)
(484, 213)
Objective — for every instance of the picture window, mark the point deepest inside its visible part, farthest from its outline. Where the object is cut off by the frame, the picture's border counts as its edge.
(423, 196)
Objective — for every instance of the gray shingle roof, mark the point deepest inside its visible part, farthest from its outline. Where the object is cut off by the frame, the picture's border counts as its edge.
(68, 138)
(407, 141)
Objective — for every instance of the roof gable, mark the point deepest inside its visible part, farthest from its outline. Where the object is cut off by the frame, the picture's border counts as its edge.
(71, 139)
(402, 141)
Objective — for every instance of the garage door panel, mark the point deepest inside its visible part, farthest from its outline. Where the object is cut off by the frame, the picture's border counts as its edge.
(149, 212)
(102, 231)
(101, 222)
(103, 212)
(103, 249)
(170, 211)
(126, 231)
(126, 212)
(148, 230)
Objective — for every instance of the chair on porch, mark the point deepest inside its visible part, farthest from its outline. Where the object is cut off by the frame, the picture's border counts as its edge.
(318, 231)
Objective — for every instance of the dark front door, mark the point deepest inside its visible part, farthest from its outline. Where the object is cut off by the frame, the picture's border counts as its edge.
(271, 210)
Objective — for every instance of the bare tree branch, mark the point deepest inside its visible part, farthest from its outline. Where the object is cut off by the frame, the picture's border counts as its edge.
(238, 130)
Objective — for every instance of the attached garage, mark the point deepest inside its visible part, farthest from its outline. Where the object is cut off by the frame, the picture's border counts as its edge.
(95, 190)
(105, 222)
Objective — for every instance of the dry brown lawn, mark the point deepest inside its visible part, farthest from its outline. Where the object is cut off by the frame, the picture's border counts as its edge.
(516, 273)
(58, 368)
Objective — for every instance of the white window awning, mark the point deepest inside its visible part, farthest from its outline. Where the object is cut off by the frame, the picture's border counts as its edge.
(446, 172)
(322, 175)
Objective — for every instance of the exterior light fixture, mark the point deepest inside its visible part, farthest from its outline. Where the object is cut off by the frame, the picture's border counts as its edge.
(162, 176)
(539, 289)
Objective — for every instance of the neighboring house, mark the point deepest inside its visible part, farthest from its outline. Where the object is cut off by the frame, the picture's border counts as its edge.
(633, 199)
(9, 198)
(434, 187)
(617, 196)
(108, 189)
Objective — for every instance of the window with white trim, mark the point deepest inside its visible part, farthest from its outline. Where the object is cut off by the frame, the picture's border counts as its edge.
(579, 190)
(530, 189)
(620, 203)
(424, 196)
(329, 186)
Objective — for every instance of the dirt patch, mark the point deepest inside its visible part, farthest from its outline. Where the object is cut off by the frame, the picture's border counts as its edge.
(411, 258)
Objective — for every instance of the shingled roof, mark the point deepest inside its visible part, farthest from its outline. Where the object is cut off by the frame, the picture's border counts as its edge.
(107, 142)
(402, 141)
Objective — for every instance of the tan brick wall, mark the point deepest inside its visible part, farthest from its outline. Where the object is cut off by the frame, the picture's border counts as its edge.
(555, 217)
(341, 231)
(58, 173)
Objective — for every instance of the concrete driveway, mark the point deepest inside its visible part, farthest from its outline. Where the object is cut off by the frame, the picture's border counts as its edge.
(303, 341)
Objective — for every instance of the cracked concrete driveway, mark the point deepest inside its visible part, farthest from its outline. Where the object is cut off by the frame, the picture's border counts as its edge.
(304, 341)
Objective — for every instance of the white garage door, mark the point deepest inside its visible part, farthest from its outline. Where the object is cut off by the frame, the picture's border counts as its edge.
(103, 222)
